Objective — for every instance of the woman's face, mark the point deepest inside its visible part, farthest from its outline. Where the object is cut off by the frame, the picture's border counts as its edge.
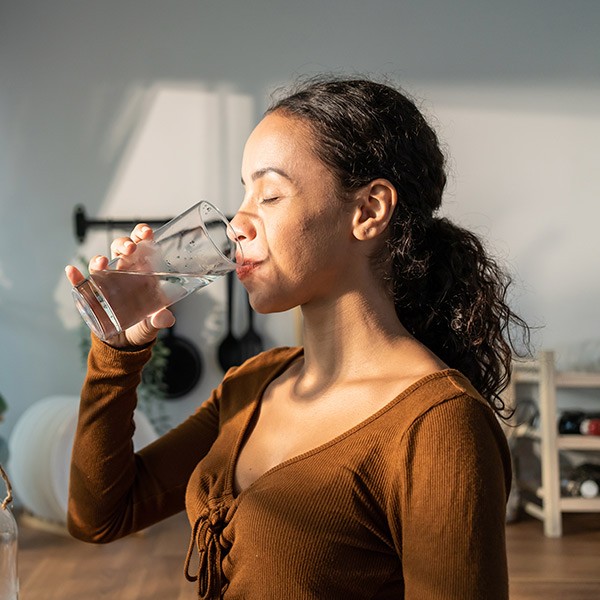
(294, 229)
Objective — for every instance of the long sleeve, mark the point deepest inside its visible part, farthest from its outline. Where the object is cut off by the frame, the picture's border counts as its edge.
(114, 491)
(451, 498)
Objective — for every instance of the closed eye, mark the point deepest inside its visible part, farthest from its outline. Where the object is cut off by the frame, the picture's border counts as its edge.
(269, 200)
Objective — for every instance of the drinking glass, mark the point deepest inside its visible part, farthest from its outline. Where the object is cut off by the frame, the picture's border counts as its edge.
(186, 254)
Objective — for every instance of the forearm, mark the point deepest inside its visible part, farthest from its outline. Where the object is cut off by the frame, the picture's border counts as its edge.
(104, 469)
(114, 491)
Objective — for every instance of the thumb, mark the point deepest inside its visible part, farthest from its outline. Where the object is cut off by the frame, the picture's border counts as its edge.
(73, 275)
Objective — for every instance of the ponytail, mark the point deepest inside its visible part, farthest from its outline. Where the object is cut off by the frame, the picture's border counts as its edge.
(452, 296)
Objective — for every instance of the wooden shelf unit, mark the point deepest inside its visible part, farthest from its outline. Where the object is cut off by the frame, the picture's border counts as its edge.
(542, 372)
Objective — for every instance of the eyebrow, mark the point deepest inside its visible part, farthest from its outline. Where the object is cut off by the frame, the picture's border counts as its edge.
(262, 172)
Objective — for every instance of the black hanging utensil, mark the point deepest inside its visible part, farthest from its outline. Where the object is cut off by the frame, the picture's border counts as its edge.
(228, 352)
(184, 365)
(251, 343)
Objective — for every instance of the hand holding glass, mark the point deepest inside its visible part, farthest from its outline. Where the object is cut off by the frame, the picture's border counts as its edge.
(185, 255)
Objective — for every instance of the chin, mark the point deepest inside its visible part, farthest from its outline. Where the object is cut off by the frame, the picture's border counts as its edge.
(267, 304)
(268, 308)
(272, 296)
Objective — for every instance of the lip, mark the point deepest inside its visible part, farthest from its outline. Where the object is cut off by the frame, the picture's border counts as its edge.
(247, 268)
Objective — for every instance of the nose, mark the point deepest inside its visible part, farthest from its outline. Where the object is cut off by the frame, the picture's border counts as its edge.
(242, 226)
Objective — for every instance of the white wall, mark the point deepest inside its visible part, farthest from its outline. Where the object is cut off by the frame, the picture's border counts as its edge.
(138, 108)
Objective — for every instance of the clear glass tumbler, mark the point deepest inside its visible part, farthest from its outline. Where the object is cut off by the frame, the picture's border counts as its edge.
(187, 253)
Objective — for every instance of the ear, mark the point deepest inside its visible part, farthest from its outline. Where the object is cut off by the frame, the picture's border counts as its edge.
(375, 205)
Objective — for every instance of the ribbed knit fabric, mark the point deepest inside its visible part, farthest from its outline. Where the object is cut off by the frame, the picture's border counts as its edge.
(408, 504)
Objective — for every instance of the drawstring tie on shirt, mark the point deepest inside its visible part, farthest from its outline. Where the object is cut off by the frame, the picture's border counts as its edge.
(212, 546)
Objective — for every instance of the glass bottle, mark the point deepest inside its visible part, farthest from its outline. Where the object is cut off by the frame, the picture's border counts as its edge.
(590, 426)
(9, 582)
(570, 422)
(583, 481)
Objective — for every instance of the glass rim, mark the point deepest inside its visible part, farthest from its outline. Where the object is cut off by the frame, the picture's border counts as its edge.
(228, 226)
(223, 218)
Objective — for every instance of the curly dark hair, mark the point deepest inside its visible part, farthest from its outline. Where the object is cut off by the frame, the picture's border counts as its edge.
(448, 291)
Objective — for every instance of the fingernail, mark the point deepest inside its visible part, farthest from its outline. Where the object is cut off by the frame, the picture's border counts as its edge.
(129, 244)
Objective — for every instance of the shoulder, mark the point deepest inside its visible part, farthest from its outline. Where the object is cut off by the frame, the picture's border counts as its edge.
(451, 420)
(444, 409)
(441, 411)
(447, 391)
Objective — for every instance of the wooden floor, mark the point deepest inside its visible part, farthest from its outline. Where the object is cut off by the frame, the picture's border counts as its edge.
(149, 565)
(566, 568)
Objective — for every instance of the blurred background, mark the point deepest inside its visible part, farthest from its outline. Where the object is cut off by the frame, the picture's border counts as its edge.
(140, 108)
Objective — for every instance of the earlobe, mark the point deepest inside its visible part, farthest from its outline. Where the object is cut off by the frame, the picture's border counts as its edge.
(375, 205)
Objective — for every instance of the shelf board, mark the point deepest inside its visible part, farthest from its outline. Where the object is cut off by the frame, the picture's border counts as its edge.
(530, 373)
(579, 442)
(577, 379)
(566, 442)
(580, 504)
(566, 504)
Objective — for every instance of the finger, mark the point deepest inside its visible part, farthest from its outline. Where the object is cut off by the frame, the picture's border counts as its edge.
(74, 275)
(142, 231)
(162, 319)
(146, 331)
(98, 263)
(122, 246)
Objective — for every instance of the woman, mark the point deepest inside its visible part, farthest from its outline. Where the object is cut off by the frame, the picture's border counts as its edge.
(370, 462)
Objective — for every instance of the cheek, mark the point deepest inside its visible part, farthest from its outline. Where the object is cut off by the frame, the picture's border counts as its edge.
(301, 247)
(325, 236)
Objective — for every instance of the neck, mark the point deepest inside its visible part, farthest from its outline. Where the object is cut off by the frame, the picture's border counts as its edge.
(349, 338)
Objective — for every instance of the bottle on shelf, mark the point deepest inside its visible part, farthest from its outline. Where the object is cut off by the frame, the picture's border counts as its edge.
(578, 422)
(583, 482)
(590, 426)
(570, 422)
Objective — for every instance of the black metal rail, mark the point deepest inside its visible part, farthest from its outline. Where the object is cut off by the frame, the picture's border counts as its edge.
(82, 223)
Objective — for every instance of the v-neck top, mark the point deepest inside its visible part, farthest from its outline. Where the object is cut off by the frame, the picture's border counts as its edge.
(409, 503)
